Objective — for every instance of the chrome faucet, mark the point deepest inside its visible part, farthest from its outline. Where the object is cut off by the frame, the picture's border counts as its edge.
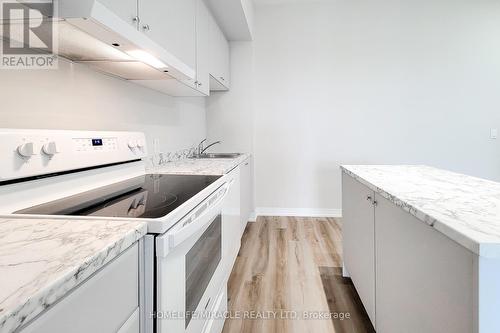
(201, 149)
(200, 146)
(210, 145)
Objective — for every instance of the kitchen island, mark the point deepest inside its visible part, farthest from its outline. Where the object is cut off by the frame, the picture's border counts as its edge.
(422, 246)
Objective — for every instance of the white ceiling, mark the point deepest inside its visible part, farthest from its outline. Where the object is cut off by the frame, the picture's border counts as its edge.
(233, 18)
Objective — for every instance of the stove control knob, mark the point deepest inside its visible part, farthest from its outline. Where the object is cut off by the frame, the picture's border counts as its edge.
(50, 148)
(132, 144)
(26, 150)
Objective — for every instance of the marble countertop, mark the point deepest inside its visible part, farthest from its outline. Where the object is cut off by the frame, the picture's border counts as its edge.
(42, 259)
(208, 166)
(464, 208)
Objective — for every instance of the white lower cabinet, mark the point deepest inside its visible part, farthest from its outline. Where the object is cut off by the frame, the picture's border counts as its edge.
(246, 192)
(216, 323)
(424, 279)
(108, 302)
(359, 240)
(231, 216)
(237, 208)
(132, 325)
(410, 277)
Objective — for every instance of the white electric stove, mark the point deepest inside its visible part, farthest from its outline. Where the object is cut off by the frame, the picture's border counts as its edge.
(101, 175)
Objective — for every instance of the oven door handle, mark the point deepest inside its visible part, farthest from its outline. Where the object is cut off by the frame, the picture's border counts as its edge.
(195, 221)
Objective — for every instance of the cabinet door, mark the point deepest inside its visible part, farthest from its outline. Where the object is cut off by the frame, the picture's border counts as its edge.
(246, 193)
(219, 60)
(224, 62)
(232, 220)
(358, 229)
(203, 16)
(424, 279)
(125, 9)
(172, 24)
(102, 304)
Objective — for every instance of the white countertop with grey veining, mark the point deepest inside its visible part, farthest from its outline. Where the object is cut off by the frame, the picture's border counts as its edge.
(42, 259)
(208, 166)
(464, 208)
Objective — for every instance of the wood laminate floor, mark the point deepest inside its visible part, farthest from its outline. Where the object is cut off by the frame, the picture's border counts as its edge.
(287, 278)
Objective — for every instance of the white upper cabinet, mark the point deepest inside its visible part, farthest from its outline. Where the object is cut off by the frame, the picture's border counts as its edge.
(171, 24)
(203, 47)
(219, 58)
(200, 85)
(124, 9)
(189, 32)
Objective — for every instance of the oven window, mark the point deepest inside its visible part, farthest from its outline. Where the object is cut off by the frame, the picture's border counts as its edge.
(201, 263)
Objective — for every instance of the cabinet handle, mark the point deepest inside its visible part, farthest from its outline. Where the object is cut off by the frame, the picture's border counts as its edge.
(369, 197)
(206, 305)
(222, 78)
(200, 84)
(146, 27)
(246, 163)
(136, 19)
(375, 203)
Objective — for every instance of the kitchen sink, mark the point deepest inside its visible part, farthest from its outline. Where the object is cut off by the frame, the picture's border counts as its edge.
(218, 155)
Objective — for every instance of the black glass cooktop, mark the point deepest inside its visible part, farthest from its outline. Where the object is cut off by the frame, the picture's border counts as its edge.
(148, 196)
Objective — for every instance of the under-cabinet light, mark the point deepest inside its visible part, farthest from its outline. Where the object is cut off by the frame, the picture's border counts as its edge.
(146, 58)
(78, 45)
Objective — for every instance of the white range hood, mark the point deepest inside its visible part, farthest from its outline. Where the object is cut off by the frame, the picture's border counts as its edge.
(89, 33)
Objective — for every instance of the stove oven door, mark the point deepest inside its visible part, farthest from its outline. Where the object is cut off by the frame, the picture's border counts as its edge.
(190, 269)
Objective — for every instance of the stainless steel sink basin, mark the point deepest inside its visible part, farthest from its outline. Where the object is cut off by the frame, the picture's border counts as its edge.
(218, 155)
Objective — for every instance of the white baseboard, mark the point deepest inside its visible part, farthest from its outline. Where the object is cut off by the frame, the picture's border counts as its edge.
(300, 212)
(252, 217)
(345, 273)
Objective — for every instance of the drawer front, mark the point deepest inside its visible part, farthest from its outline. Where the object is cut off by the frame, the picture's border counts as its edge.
(102, 304)
(215, 325)
(132, 325)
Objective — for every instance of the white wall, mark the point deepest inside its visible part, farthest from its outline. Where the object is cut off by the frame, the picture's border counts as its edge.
(230, 115)
(75, 97)
(372, 82)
